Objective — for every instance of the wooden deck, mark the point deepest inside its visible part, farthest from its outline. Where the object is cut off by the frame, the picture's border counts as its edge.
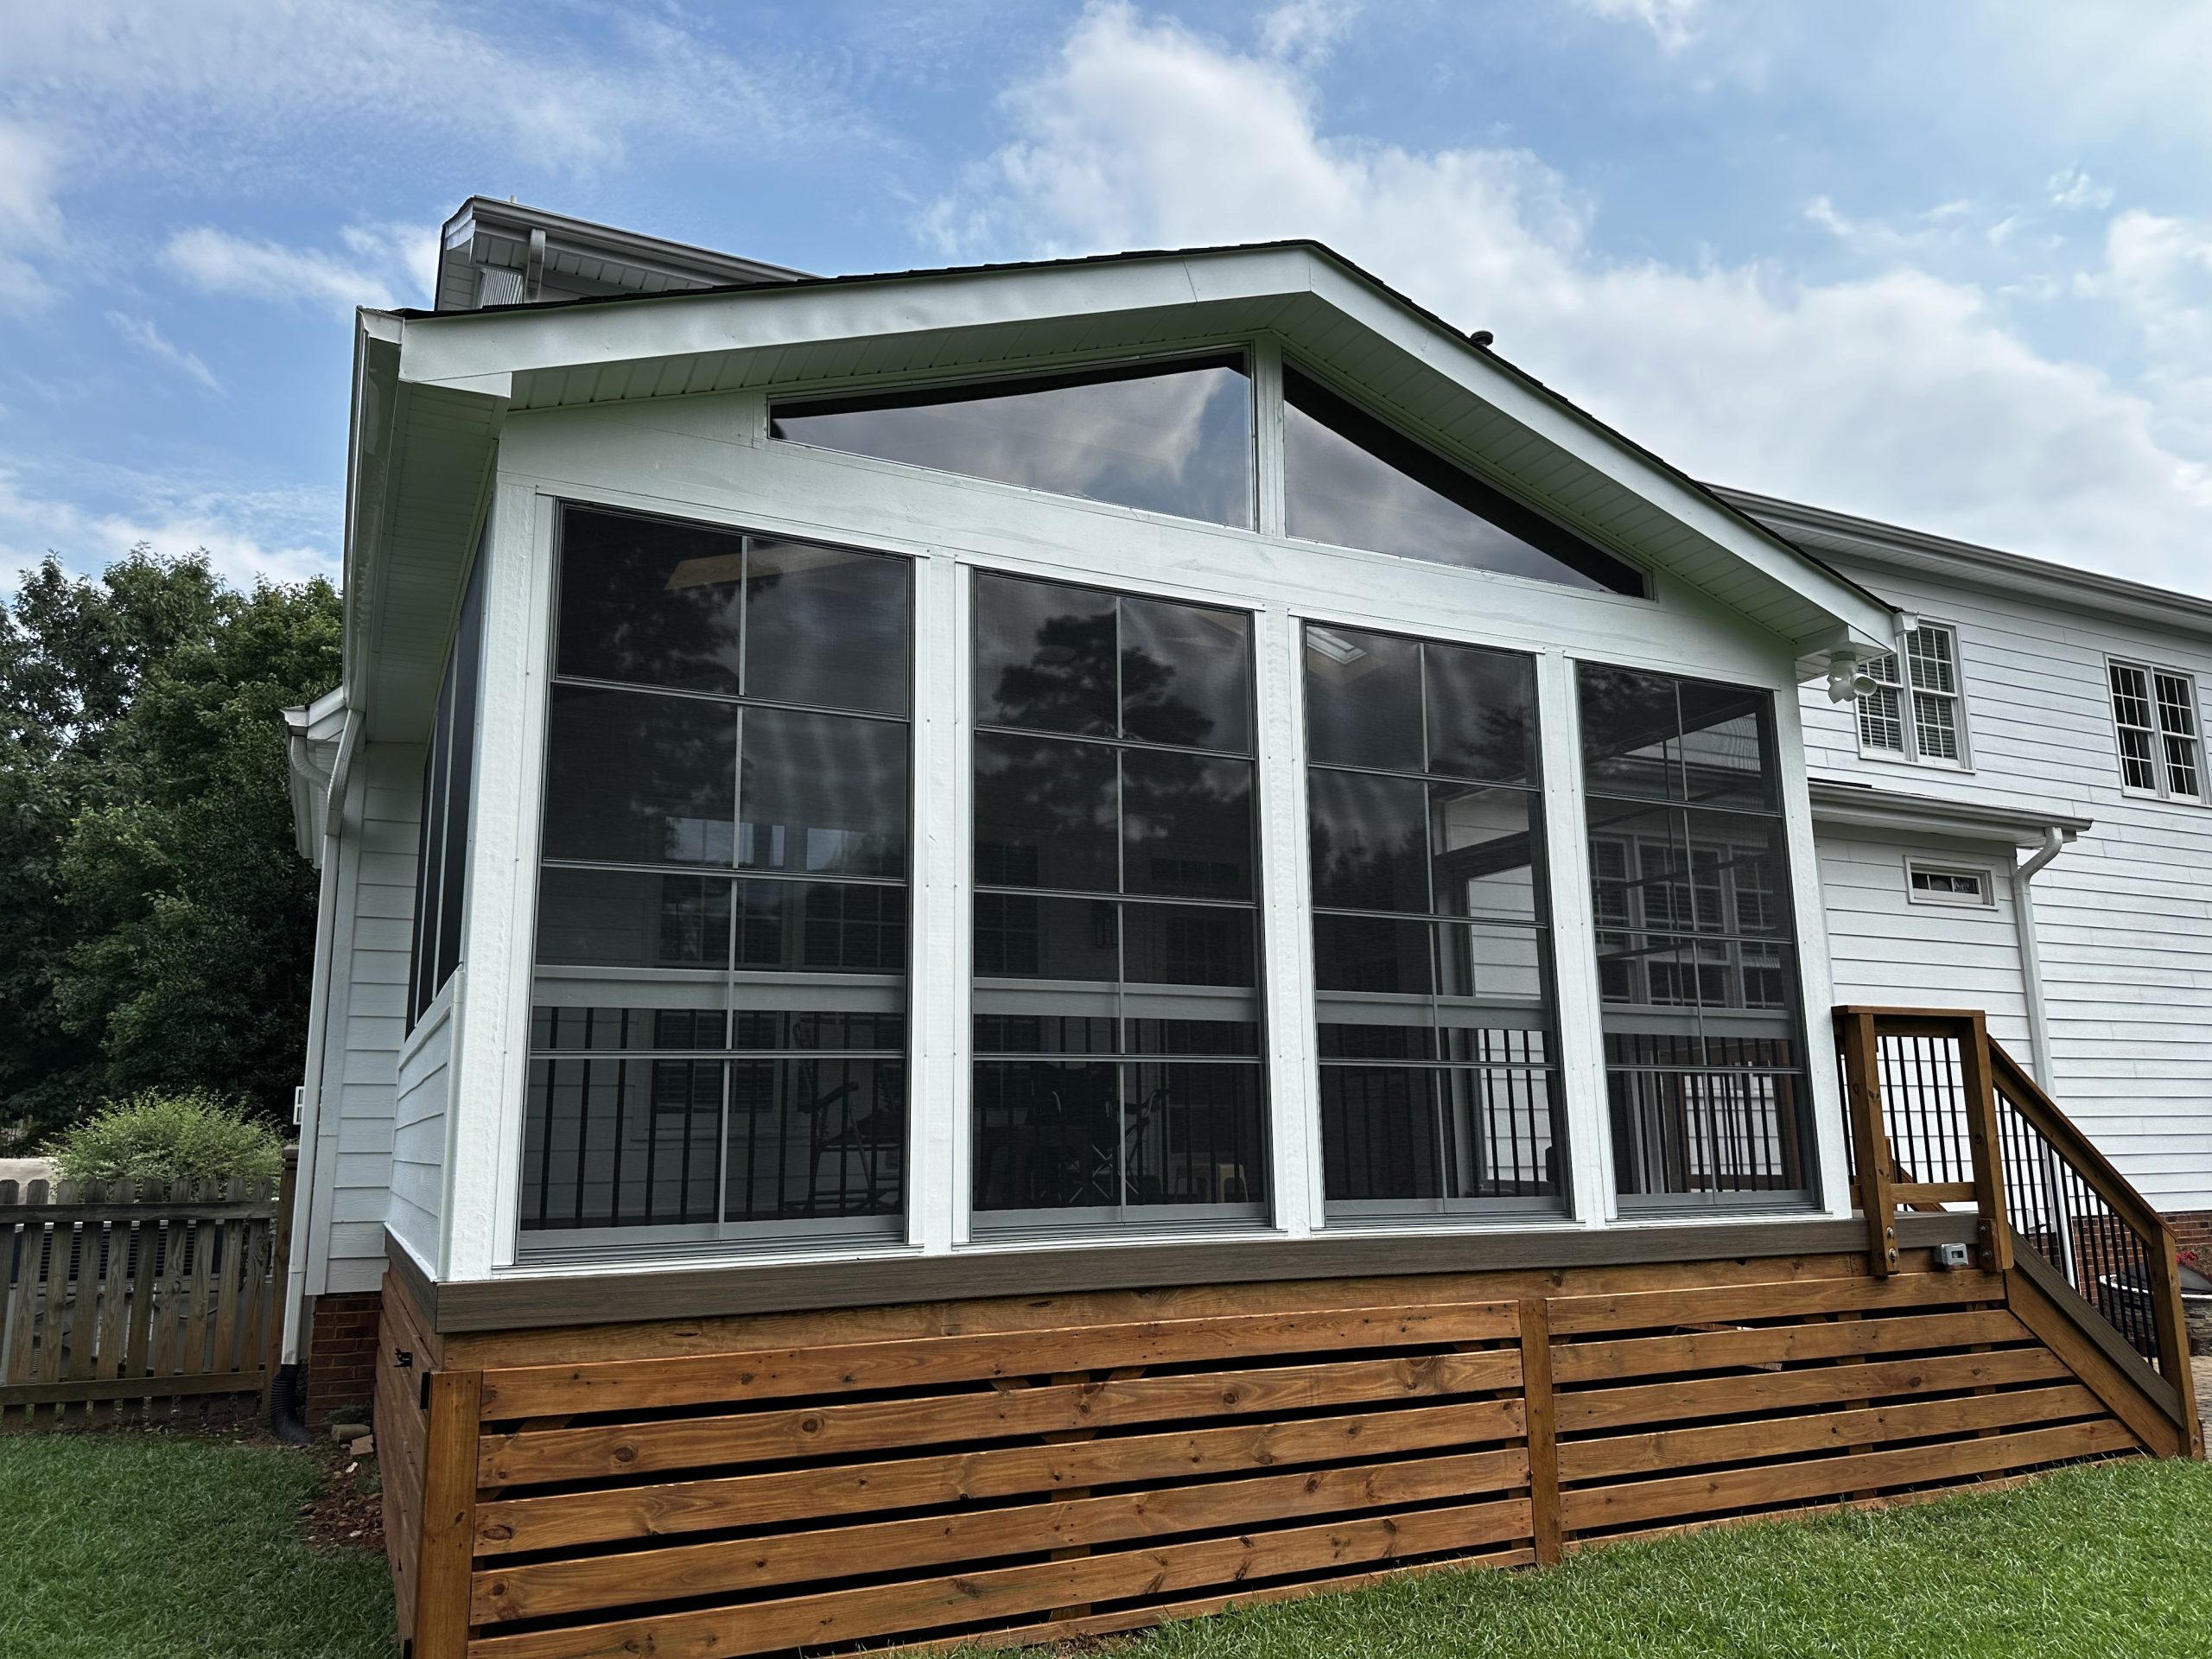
(1070, 1463)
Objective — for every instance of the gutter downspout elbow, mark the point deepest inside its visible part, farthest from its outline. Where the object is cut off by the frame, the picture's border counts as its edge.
(2023, 926)
(341, 765)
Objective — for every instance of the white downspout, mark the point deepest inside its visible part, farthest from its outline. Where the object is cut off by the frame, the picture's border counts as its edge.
(2023, 926)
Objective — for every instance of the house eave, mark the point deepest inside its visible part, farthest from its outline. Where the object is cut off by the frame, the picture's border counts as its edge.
(762, 338)
(1899, 548)
(1859, 806)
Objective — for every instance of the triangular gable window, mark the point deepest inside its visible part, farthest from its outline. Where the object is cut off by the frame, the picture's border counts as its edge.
(1354, 481)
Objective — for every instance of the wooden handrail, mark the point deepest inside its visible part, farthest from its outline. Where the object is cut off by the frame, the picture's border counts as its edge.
(1988, 1075)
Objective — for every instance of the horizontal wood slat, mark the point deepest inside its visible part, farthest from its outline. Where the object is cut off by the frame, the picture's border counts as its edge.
(838, 1617)
(1722, 1396)
(538, 1589)
(1779, 1344)
(1587, 1508)
(1653, 1309)
(623, 1385)
(1767, 1437)
(528, 1456)
(516, 1524)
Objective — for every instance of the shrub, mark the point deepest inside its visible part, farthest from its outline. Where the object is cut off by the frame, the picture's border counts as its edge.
(155, 1136)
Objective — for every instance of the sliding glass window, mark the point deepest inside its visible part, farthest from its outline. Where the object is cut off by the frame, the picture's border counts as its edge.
(1697, 955)
(1432, 939)
(718, 1046)
(1119, 1073)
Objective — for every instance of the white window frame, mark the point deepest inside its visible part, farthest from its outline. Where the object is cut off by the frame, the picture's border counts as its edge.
(718, 466)
(1984, 881)
(2162, 736)
(1899, 679)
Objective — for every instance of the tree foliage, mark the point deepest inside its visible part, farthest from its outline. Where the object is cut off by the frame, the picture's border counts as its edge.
(160, 928)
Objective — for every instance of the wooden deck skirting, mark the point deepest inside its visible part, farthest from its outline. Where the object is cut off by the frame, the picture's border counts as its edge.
(1024, 1468)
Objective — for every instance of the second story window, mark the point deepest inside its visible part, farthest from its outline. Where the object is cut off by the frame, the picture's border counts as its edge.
(2154, 712)
(1915, 711)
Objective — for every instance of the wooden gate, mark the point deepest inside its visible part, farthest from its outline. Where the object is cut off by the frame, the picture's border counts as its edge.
(124, 1298)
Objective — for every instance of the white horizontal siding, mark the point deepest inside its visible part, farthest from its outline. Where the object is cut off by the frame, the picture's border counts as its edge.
(366, 1021)
(417, 1165)
(2124, 916)
(1884, 949)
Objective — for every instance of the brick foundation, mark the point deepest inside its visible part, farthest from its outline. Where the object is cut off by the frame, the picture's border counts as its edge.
(340, 1356)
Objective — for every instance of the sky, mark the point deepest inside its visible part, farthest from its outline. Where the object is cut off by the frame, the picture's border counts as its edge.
(1949, 266)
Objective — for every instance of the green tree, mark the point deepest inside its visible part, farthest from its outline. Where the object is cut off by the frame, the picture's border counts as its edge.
(161, 931)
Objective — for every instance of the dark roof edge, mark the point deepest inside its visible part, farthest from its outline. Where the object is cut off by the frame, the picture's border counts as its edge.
(1907, 549)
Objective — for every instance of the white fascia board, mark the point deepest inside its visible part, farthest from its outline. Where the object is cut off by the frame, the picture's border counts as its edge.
(471, 349)
(1855, 807)
(1864, 621)
(461, 346)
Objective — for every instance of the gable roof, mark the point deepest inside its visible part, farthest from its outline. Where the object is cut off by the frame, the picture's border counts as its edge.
(1375, 344)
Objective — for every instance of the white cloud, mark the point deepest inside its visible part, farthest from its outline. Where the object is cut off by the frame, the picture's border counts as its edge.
(1306, 31)
(142, 334)
(1673, 23)
(383, 266)
(30, 219)
(2073, 188)
(226, 93)
(246, 534)
(1903, 396)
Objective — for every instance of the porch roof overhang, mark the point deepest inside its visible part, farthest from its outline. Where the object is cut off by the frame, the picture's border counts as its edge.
(433, 389)
(1861, 806)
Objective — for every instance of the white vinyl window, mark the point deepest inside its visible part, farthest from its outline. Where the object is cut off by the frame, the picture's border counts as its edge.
(1942, 883)
(1916, 711)
(2154, 712)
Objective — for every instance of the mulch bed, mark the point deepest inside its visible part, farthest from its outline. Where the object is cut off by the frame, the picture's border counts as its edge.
(348, 1513)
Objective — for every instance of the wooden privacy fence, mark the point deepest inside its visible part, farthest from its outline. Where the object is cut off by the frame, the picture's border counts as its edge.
(126, 1298)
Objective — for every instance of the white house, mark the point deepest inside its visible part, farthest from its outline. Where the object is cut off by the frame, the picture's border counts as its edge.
(1118, 776)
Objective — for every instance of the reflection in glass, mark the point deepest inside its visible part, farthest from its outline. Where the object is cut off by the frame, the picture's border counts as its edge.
(1370, 845)
(743, 756)
(620, 919)
(1362, 700)
(1186, 675)
(1696, 962)
(1046, 813)
(635, 778)
(1116, 1038)
(1353, 480)
(1046, 657)
(1186, 825)
(649, 601)
(1437, 1071)
(1172, 437)
(823, 793)
(825, 627)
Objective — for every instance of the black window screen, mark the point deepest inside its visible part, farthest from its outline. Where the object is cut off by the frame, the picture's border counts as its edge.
(1432, 947)
(719, 1041)
(448, 781)
(1117, 1028)
(1697, 954)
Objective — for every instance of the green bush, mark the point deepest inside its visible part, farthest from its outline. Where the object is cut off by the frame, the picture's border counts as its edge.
(155, 1136)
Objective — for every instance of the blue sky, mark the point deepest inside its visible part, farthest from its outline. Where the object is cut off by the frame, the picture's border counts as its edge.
(1950, 265)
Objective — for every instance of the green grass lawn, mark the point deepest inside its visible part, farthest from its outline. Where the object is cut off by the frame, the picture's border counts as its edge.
(133, 1545)
(113, 1547)
(2115, 1559)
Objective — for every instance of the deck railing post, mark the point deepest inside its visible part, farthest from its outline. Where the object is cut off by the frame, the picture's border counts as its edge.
(2172, 1327)
(1995, 1235)
(1870, 1141)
